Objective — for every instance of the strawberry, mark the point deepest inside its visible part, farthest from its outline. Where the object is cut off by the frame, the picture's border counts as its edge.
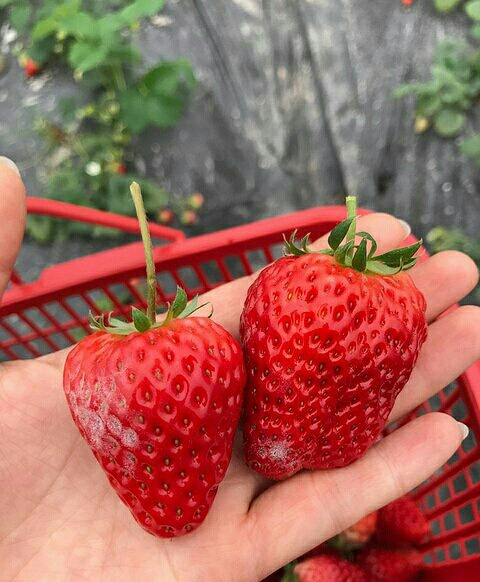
(158, 404)
(402, 522)
(31, 67)
(188, 218)
(358, 534)
(121, 168)
(165, 216)
(330, 338)
(196, 200)
(329, 569)
(390, 565)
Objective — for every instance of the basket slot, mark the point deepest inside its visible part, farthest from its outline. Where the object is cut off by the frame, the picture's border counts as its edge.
(256, 259)
(202, 279)
(139, 300)
(81, 321)
(212, 274)
(16, 338)
(43, 334)
(245, 263)
(234, 266)
(57, 326)
(223, 269)
(268, 254)
(449, 528)
(459, 549)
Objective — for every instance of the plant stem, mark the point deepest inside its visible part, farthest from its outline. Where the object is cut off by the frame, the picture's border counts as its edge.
(351, 202)
(147, 245)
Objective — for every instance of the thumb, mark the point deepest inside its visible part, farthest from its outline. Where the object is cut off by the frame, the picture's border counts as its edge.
(12, 216)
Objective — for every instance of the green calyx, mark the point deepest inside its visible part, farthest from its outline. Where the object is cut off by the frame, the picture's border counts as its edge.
(142, 322)
(179, 309)
(343, 246)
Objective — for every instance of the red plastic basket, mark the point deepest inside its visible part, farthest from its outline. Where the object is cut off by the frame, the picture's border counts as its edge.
(52, 313)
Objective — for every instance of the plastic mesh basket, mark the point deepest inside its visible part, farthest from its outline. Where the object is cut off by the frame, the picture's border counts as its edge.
(52, 313)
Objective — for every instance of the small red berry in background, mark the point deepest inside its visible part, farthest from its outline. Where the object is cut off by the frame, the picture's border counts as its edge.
(407, 2)
(120, 168)
(188, 217)
(31, 68)
(165, 216)
(196, 200)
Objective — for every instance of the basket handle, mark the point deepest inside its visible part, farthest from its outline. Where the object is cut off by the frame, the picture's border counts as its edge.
(77, 213)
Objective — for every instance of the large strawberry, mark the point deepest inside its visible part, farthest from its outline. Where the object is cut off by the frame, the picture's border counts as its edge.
(159, 403)
(330, 338)
(329, 568)
(401, 523)
(390, 565)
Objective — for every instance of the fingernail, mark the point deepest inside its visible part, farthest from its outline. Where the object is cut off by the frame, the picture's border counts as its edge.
(10, 164)
(406, 227)
(464, 428)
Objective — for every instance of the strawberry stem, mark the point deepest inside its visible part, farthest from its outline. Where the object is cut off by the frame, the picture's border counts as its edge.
(147, 245)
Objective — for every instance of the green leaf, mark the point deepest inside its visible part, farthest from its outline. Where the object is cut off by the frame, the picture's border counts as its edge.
(140, 320)
(446, 5)
(179, 303)
(359, 260)
(85, 56)
(339, 233)
(472, 8)
(449, 122)
(44, 28)
(140, 9)
(475, 31)
(5, 3)
(373, 247)
(20, 15)
(471, 147)
(381, 268)
(393, 258)
(80, 25)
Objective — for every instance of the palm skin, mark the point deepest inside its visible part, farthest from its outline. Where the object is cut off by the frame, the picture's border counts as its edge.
(62, 521)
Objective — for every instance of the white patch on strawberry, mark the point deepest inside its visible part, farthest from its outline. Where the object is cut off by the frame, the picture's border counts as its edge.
(114, 425)
(129, 438)
(93, 426)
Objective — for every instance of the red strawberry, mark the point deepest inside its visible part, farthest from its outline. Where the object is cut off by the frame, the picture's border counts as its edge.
(31, 67)
(329, 569)
(188, 217)
(390, 565)
(121, 168)
(159, 403)
(358, 534)
(330, 339)
(402, 522)
(165, 216)
(196, 200)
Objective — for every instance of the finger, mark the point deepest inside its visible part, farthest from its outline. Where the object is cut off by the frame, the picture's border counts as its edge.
(452, 346)
(228, 299)
(444, 279)
(12, 212)
(294, 516)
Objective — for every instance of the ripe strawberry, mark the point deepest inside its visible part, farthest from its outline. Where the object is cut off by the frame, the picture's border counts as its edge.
(329, 569)
(121, 168)
(159, 403)
(196, 200)
(402, 522)
(390, 565)
(188, 217)
(31, 68)
(358, 534)
(330, 338)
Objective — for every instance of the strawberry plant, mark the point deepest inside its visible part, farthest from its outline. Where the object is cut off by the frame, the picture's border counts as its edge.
(88, 144)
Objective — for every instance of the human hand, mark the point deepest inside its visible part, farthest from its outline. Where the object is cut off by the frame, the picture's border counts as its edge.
(62, 521)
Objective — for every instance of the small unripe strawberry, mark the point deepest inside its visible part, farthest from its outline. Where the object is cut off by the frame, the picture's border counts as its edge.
(188, 217)
(165, 216)
(31, 68)
(121, 168)
(196, 200)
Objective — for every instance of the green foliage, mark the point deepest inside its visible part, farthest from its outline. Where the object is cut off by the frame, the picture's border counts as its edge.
(442, 239)
(89, 141)
(446, 5)
(452, 90)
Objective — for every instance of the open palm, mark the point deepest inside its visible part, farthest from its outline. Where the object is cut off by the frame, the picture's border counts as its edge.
(60, 519)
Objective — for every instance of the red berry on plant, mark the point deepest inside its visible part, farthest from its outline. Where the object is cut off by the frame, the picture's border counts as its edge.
(31, 67)
(121, 168)
(330, 339)
(196, 200)
(188, 217)
(165, 216)
(158, 403)
(358, 534)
